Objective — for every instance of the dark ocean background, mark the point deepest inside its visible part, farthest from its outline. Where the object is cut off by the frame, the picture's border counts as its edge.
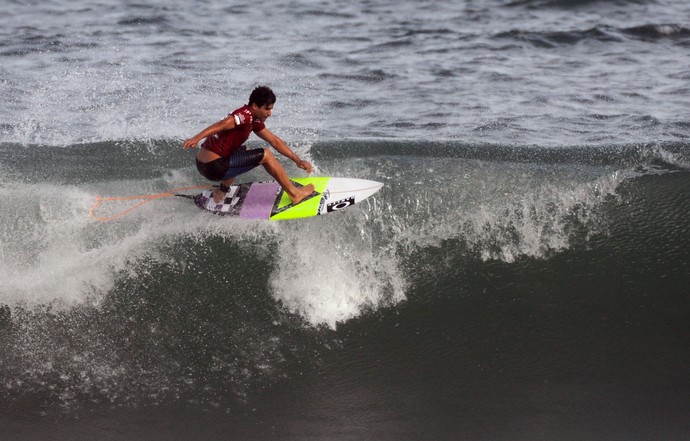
(523, 275)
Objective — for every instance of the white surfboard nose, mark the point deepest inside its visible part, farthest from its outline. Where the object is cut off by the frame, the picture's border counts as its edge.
(359, 188)
(340, 193)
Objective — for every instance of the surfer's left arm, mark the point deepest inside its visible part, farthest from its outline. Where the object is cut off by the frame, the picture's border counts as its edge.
(282, 148)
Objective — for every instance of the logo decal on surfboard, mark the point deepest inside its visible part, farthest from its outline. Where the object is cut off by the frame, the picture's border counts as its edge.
(341, 204)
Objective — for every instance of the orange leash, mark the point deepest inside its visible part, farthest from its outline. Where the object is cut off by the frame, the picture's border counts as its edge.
(146, 198)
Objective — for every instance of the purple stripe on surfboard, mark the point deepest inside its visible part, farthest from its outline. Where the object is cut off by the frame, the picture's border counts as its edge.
(259, 200)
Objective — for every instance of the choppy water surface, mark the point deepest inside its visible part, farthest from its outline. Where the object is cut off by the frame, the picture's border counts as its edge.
(522, 275)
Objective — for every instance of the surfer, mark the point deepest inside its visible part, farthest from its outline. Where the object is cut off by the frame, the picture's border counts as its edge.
(223, 155)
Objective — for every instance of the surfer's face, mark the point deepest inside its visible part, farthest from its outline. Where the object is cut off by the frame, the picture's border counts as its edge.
(262, 113)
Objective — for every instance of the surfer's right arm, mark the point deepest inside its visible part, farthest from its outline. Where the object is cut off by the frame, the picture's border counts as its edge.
(224, 124)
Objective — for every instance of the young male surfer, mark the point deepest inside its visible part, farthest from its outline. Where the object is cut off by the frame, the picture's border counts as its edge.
(223, 156)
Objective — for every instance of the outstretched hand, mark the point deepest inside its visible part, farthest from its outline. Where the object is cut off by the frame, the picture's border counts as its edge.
(189, 143)
(304, 165)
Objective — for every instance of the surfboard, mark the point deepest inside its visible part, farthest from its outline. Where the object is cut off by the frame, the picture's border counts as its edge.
(267, 200)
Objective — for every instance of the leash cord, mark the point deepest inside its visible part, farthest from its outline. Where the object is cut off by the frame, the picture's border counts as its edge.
(146, 198)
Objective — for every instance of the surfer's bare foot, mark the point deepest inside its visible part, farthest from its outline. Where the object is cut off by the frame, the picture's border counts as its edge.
(301, 193)
(218, 195)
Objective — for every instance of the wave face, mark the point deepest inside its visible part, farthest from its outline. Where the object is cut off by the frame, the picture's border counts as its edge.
(168, 303)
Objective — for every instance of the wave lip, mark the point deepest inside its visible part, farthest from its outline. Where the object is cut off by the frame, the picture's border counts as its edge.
(552, 39)
(644, 154)
(654, 32)
(599, 33)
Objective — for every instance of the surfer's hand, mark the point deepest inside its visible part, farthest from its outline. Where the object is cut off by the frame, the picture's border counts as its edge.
(304, 165)
(190, 143)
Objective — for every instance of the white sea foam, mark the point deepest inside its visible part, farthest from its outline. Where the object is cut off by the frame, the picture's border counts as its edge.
(328, 269)
(539, 222)
(332, 269)
(53, 251)
(658, 153)
(502, 211)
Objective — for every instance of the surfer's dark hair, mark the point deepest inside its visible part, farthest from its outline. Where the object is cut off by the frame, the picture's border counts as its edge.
(262, 96)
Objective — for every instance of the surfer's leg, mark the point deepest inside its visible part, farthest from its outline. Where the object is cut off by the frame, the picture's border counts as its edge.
(219, 192)
(241, 161)
(273, 167)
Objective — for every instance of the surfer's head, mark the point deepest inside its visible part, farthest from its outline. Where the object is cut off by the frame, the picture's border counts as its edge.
(261, 102)
(262, 96)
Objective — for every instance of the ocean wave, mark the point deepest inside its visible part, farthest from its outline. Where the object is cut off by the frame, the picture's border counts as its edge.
(190, 308)
(630, 155)
(551, 39)
(567, 4)
(600, 33)
(653, 32)
(503, 203)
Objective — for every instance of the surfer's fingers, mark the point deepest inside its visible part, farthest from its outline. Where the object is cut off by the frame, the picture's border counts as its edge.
(304, 165)
(188, 144)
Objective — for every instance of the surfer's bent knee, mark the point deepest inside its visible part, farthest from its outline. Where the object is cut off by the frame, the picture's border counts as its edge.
(268, 156)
